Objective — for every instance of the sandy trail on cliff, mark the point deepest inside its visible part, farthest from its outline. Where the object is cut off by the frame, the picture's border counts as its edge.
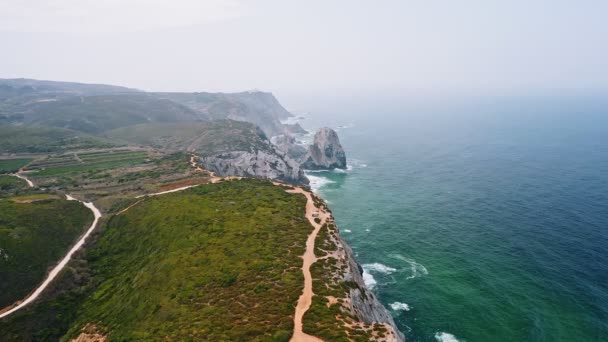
(308, 258)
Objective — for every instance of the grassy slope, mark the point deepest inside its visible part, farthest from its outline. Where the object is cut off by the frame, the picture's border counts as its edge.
(10, 184)
(204, 138)
(34, 236)
(95, 114)
(34, 139)
(217, 262)
(12, 165)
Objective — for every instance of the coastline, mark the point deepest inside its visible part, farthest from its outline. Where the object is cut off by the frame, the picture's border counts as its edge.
(360, 301)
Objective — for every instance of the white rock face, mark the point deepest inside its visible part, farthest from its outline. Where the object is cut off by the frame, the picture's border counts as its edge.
(326, 152)
(261, 164)
(288, 144)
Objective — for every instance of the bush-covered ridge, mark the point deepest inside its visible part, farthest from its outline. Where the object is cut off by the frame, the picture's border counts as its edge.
(33, 237)
(216, 262)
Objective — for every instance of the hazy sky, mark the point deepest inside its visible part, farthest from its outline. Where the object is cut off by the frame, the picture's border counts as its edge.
(310, 47)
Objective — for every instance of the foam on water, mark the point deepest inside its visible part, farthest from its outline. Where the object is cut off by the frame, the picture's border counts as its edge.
(369, 280)
(317, 182)
(347, 230)
(378, 267)
(398, 306)
(417, 270)
(445, 337)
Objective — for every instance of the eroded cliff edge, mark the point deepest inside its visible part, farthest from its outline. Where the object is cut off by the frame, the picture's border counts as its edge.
(343, 307)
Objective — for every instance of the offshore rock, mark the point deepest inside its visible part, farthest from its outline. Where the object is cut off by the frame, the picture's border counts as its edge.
(326, 152)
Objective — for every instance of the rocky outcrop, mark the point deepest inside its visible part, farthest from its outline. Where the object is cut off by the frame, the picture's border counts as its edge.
(363, 302)
(343, 280)
(261, 163)
(294, 129)
(289, 145)
(326, 152)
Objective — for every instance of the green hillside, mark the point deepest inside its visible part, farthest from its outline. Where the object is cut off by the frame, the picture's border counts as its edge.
(35, 232)
(95, 114)
(218, 262)
(36, 139)
(204, 138)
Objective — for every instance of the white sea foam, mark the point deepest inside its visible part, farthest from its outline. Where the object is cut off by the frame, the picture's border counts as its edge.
(355, 164)
(369, 280)
(347, 231)
(317, 182)
(417, 270)
(397, 306)
(445, 337)
(378, 267)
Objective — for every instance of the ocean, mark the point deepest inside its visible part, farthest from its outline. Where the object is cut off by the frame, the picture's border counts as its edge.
(480, 219)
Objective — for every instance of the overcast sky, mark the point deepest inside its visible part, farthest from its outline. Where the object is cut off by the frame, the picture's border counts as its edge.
(309, 47)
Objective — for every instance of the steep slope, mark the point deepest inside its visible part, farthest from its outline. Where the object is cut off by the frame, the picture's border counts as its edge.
(259, 108)
(219, 262)
(227, 147)
(35, 231)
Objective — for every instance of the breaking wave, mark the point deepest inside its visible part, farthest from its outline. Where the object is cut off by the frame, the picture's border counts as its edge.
(317, 182)
(445, 337)
(378, 267)
(398, 306)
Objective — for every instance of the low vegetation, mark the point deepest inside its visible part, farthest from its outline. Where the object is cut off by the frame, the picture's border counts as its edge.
(203, 138)
(36, 139)
(12, 165)
(35, 232)
(10, 185)
(219, 262)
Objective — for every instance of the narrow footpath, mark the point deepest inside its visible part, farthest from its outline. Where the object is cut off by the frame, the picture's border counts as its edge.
(61, 265)
(308, 258)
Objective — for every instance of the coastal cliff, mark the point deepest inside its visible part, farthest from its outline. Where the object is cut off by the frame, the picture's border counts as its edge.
(326, 152)
(262, 164)
(342, 306)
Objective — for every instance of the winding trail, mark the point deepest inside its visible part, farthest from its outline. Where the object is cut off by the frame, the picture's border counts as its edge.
(308, 258)
(20, 176)
(55, 271)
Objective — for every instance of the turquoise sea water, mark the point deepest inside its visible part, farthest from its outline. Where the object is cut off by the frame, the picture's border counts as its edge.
(483, 220)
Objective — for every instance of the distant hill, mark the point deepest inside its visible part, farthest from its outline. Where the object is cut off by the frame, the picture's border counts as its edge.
(28, 87)
(203, 137)
(35, 139)
(259, 108)
(94, 108)
(98, 113)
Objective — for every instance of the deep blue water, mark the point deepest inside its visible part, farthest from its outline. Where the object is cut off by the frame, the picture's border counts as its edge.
(479, 220)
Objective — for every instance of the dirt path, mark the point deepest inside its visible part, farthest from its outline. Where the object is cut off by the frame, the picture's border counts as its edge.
(308, 258)
(19, 175)
(55, 271)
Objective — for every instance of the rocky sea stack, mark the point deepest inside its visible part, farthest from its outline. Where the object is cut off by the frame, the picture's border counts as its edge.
(326, 152)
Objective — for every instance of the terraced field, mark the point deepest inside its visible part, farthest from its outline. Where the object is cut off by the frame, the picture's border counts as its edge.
(69, 163)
